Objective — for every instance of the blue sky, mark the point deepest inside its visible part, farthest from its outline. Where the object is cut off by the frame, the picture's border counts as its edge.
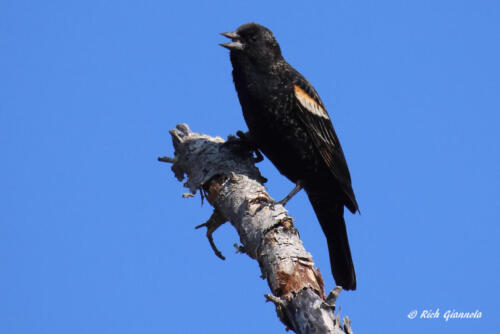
(94, 234)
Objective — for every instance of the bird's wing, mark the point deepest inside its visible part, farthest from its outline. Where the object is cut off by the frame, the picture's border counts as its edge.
(319, 126)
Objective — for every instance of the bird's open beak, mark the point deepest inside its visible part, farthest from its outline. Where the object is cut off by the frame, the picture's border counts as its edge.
(235, 44)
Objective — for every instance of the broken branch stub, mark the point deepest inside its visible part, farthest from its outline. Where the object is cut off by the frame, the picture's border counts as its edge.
(233, 185)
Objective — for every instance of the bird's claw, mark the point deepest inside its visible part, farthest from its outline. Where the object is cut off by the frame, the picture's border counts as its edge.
(244, 143)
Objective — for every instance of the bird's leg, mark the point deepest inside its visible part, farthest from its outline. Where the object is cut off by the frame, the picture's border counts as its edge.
(258, 156)
(298, 187)
(247, 139)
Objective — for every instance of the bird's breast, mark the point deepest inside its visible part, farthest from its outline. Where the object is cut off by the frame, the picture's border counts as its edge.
(270, 114)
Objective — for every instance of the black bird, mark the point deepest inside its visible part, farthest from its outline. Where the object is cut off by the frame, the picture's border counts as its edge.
(288, 122)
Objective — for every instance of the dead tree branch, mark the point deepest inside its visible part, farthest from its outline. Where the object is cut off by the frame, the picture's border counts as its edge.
(233, 185)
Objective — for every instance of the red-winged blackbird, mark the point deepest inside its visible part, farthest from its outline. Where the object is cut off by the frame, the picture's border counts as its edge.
(289, 124)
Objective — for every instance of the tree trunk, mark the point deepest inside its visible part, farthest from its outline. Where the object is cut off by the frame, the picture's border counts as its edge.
(228, 178)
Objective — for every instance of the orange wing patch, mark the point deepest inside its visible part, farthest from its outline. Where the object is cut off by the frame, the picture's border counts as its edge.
(308, 102)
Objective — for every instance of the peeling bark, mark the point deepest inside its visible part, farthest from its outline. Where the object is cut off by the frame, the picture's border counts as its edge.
(233, 185)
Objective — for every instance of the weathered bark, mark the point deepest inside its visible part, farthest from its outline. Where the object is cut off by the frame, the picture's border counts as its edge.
(233, 185)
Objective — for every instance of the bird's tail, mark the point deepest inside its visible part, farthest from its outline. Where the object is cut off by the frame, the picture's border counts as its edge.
(330, 213)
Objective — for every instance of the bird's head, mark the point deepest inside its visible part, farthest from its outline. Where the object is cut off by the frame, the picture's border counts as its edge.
(253, 41)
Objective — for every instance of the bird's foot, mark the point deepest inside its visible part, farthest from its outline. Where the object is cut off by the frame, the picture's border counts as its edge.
(298, 187)
(244, 144)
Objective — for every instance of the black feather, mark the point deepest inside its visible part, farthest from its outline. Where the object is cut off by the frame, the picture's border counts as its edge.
(297, 135)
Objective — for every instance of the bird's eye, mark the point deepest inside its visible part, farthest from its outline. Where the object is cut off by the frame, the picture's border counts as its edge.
(253, 38)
